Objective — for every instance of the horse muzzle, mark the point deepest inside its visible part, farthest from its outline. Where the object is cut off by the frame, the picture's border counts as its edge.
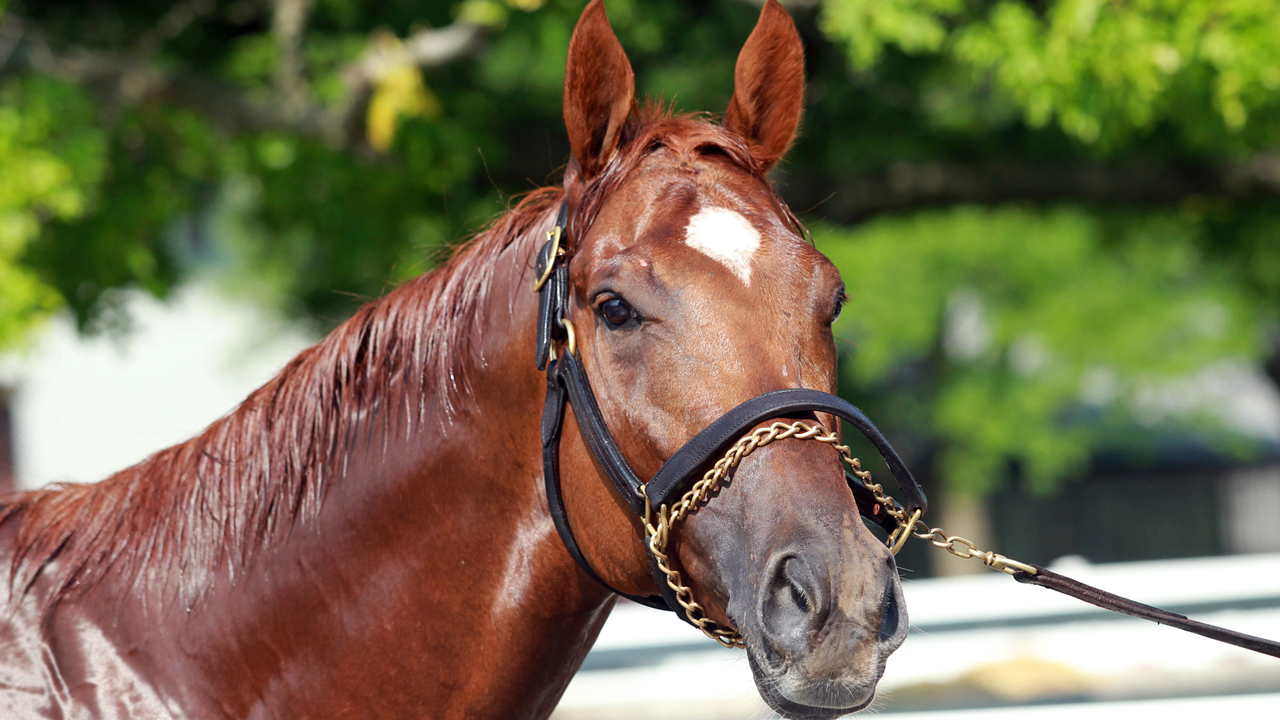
(818, 638)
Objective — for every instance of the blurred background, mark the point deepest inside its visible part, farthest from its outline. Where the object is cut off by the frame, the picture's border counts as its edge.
(1059, 222)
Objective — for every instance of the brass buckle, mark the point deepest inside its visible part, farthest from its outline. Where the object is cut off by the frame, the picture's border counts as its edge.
(1009, 566)
(571, 344)
(553, 237)
(899, 537)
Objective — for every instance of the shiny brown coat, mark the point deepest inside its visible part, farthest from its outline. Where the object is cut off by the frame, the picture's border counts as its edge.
(367, 534)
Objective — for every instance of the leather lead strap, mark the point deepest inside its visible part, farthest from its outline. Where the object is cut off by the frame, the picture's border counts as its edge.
(1107, 601)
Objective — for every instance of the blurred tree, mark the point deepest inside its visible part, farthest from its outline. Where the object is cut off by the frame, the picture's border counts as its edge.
(319, 151)
(51, 161)
(1151, 127)
(1103, 72)
(1020, 335)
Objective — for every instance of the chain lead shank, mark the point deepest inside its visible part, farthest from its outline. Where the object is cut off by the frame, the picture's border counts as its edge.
(658, 523)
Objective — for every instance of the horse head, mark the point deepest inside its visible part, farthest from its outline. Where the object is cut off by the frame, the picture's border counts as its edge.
(692, 288)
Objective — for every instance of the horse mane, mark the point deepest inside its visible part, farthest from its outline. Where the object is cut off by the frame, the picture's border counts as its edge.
(207, 506)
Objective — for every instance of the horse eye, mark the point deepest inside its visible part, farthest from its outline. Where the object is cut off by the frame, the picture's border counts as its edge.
(840, 298)
(616, 312)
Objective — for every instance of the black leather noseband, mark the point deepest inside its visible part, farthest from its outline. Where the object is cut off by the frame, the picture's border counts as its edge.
(567, 384)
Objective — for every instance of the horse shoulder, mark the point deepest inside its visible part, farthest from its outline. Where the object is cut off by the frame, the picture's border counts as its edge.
(58, 663)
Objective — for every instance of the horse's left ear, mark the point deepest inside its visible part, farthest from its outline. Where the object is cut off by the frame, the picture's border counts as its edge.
(768, 86)
(599, 89)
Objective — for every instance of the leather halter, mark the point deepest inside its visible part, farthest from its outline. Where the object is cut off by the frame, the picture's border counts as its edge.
(567, 383)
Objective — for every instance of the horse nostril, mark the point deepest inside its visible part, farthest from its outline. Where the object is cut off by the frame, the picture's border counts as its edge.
(796, 577)
(793, 607)
(798, 596)
(889, 614)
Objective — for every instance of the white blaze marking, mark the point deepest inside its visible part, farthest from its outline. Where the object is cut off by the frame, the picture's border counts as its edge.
(726, 236)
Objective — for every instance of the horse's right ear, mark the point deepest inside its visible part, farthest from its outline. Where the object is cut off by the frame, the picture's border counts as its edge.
(599, 90)
(768, 86)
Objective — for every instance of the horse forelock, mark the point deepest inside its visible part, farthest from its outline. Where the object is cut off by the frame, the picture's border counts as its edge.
(655, 127)
(203, 509)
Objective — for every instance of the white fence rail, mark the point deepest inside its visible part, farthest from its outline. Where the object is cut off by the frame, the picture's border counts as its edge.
(1015, 651)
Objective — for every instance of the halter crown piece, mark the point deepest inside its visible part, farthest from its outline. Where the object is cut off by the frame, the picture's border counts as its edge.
(674, 491)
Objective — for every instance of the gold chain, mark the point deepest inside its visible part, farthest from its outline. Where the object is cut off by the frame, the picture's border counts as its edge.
(658, 523)
(962, 548)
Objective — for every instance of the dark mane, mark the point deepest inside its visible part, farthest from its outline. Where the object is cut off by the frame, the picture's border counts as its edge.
(208, 505)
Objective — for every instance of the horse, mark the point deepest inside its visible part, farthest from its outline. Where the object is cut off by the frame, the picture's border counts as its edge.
(369, 533)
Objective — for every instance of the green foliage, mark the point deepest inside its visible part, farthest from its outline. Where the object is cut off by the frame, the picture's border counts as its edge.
(1102, 71)
(51, 162)
(328, 231)
(867, 26)
(158, 165)
(1040, 331)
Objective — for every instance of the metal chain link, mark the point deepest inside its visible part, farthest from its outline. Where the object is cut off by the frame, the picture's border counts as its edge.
(658, 523)
(969, 551)
(659, 532)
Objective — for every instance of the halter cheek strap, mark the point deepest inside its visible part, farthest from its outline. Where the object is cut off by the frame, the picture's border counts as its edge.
(552, 286)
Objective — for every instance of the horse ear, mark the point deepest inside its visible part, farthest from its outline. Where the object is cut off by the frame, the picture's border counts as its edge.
(599, 90)
(768, 86)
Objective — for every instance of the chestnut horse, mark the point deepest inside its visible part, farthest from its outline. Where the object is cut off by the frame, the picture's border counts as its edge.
(368, 534)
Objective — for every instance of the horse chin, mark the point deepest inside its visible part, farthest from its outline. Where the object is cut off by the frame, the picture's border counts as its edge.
(795, 698)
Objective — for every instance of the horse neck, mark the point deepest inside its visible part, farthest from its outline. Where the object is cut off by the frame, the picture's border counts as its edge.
(432, 575)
